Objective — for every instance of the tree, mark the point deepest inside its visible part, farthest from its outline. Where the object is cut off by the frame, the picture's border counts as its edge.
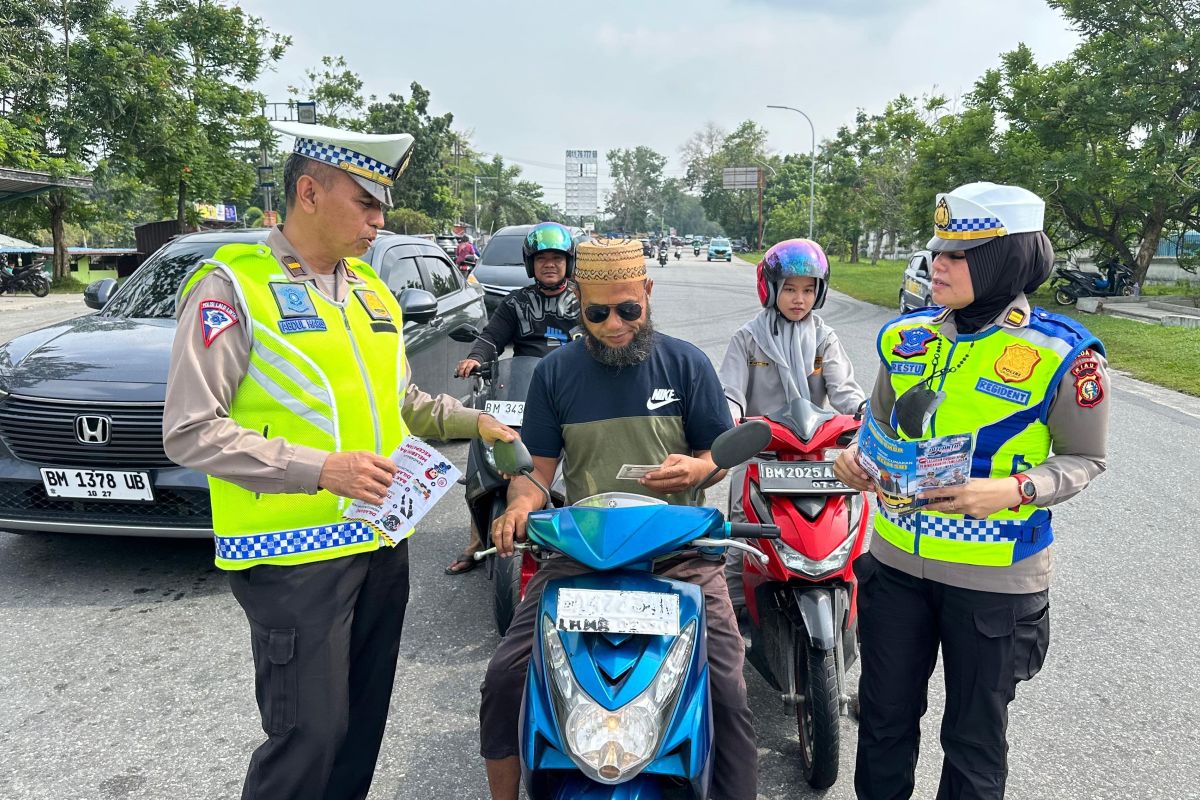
(636, 199)
(1109, 135)
(187, 125)
(736, 211)
(336, 89)
(505, 198)
(426, 185)
(408, 220)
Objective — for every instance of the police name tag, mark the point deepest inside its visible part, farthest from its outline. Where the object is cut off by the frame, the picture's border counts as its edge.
(614, 611)
(508, 412)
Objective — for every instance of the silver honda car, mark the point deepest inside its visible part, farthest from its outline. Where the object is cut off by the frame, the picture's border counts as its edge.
(81, 402)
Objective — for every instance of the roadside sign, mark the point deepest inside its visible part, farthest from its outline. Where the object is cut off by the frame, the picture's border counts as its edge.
(741, 177)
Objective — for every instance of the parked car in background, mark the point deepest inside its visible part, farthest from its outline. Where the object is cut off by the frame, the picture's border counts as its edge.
(81, 401)
(719, 248)
(501, 268)
(915, 288)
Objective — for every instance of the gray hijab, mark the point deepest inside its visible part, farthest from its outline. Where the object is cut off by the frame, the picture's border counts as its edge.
(791, 345)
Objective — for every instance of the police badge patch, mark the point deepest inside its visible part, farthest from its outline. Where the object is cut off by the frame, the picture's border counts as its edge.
(293, 300)
(376, 310)
(1088, 390)
(216, 317)
(1016, 363)
(914, 342)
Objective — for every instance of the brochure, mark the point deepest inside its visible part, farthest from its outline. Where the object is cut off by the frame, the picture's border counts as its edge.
(422, 477)
(902, 469)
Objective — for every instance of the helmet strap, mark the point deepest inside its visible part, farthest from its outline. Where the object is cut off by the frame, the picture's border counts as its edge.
(552, 290)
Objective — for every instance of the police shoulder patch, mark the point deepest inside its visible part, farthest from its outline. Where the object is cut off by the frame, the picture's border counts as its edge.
(1088, 390)
(216, 317)
(914, 342)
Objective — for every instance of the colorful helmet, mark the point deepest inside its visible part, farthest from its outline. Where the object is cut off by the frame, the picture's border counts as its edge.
(548, 236)
(793, 258)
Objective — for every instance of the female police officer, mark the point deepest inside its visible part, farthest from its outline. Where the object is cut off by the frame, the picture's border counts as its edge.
(970, 571)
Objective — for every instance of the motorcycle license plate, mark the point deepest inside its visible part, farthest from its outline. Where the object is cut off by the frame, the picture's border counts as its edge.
(508, 412)
(801, 477)
(98, 484)
(615, 611)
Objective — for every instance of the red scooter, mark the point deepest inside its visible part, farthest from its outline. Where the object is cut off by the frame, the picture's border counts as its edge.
(801, 604)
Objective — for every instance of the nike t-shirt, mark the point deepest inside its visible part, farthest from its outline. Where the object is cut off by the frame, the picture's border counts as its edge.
(603, 417)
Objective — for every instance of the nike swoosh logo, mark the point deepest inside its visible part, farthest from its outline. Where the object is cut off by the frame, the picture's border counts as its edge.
(651, 405)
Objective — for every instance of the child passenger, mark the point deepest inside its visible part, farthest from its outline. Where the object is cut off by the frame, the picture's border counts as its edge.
(785, 352)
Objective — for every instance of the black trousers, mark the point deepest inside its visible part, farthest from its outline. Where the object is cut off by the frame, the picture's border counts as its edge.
(325, 638)
(989, 643)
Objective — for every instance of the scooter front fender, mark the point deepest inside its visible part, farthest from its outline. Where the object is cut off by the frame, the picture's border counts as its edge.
(816, 610)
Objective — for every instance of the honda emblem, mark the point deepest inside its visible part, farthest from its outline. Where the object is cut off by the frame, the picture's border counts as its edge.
(93, 429)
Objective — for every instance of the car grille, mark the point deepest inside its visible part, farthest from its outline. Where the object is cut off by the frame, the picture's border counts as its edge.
(43, 431)
(175, 508)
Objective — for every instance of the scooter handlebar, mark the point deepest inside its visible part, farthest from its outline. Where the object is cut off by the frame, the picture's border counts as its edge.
(752, 530)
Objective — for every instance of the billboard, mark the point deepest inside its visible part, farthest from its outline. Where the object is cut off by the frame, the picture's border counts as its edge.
(582, 196)
(741, 177)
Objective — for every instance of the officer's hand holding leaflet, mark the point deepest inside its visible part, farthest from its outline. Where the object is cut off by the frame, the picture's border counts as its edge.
(848, 471)
(979, 497)
(359, 475)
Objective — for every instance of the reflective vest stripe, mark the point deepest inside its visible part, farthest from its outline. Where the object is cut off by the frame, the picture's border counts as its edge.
(286, 543)
(310, 415)
(320, 392)
(327, 390)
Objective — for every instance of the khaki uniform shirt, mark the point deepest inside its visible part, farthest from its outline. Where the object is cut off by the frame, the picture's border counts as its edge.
(1079, 452)
(202, 382)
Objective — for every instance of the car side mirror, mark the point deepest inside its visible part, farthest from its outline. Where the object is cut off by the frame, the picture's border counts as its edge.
(465, 334)
(97, 293)
(512, 458)
(418, 305)
(740, 444)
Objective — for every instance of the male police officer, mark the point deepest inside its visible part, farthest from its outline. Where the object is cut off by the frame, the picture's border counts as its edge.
(289, 387)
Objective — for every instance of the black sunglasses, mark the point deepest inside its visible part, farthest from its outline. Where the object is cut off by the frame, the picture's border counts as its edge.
(628, 311)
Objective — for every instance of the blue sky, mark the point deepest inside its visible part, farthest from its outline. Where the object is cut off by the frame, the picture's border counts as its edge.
(531, 78)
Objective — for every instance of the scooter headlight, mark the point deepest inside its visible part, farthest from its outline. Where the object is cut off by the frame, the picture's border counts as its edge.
(798, 561)
(614, 746)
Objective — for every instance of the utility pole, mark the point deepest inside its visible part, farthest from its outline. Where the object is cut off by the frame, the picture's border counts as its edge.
(812, 181)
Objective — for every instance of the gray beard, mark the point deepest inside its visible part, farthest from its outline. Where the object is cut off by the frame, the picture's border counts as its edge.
(632, 354)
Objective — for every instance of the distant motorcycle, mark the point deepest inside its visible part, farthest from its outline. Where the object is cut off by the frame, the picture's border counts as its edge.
(696, 250)
(29, 278)
(662, 256)
(468, 263)
(678, 253)
(1069, 285)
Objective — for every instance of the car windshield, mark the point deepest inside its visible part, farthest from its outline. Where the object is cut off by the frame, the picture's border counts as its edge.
(720, 243)
(150, 291)
(504, 251)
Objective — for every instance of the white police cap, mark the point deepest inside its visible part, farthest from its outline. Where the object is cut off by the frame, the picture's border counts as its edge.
(374, 160)
(975, 213)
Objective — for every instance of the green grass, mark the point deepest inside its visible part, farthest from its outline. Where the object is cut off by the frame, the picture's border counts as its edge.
(1160, 355)
(66, 286)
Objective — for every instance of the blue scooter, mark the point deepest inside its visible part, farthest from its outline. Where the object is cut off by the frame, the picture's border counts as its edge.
(617, 700)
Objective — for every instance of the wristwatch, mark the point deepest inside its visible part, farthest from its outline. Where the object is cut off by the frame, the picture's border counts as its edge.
(1026, 487)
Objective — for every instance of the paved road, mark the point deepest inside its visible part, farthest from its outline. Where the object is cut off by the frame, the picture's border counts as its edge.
(24, 312)
(125, 672)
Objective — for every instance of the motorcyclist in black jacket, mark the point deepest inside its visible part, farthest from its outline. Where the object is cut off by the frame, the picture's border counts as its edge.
(533, 319)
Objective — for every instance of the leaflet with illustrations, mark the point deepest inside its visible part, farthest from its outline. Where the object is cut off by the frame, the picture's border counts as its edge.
(903, 469)
(423, 475)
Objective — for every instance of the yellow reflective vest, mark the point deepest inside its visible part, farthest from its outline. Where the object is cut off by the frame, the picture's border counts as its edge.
(1001, 385)
(323, 374)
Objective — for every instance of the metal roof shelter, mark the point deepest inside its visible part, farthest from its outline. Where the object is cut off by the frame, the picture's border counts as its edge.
(16, 184)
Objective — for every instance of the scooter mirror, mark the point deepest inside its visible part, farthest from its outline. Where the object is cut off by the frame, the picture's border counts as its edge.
(512, 458)
(465, 334)
(739, 445)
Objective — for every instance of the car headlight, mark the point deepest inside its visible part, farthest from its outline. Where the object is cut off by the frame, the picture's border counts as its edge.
(614, 746)
(798, 561)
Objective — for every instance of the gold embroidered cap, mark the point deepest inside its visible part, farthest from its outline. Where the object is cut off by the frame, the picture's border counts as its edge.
(609, 261)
